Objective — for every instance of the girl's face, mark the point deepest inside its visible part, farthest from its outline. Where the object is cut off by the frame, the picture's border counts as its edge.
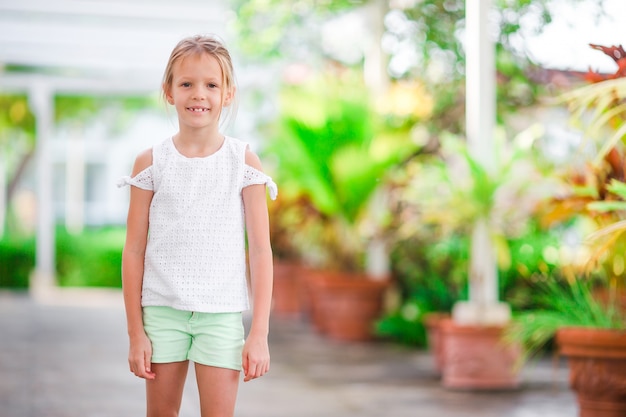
(197, 91)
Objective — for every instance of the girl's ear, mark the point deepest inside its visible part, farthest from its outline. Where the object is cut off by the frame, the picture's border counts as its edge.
(229, 97)
(168, 96)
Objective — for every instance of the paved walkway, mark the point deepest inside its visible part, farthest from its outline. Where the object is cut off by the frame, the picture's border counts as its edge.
(64, 355)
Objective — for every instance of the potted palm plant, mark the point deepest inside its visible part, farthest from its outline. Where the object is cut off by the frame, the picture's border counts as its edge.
(289, 295)
(586, 315)
(332, 151)
(454, 193)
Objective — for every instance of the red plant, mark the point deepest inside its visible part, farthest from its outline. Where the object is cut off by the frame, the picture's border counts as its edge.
(618, 54)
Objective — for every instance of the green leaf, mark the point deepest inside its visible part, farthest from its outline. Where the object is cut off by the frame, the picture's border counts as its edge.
(606, 206)
(618, 188)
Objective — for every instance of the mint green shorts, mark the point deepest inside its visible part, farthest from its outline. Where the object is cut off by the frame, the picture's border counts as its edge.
(213, 339)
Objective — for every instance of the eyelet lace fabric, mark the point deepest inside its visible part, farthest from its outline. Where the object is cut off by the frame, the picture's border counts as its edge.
(252, 176)
(195, 255)
(142, 180)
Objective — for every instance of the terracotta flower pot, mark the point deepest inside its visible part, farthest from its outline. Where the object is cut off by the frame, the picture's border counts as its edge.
(345, 306)
(475, 357)
(308, 296)
(597, 362)
(432, 323)
(286, 299)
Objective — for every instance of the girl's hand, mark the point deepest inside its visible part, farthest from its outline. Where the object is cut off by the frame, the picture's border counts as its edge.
(256, 358)
(139, 357)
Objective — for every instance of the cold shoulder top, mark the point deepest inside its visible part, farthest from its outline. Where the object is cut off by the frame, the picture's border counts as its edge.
(195, 255)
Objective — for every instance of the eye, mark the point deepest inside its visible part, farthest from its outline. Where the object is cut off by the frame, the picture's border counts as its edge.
(212, 85)
(186, 84)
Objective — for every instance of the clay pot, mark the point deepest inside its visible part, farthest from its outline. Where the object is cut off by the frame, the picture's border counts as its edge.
(286, 299)
(345, 306)
(310, 289)
(432, 323)
(597, 362)
(475, 357)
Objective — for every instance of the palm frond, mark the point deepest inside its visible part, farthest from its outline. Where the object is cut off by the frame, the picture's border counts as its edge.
(565, 305)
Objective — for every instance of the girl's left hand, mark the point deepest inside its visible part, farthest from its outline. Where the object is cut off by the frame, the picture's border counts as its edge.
(256, 358)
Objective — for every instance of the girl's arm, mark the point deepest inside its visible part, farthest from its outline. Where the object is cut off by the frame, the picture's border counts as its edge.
(140, 352)
(256, 357)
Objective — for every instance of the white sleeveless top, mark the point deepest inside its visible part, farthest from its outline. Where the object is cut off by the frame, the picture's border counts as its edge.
(195, 256)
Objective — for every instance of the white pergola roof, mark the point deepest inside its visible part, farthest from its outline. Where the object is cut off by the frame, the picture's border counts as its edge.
(99, 45)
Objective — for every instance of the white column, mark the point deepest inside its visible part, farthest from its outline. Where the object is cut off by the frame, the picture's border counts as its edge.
(42, 105)
(483, 283)
(377, 263)
(480, 72)
(377, 81)
(375, 63)
(75, 181)
(480, 107)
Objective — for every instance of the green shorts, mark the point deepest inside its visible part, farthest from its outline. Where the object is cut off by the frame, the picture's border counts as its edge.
(213, 339)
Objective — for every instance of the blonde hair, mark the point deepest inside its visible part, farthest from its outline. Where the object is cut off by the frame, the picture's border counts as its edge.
(210, 45)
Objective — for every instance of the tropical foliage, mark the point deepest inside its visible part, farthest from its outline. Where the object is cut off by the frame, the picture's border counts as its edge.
(331, 153)
(562, 304)
(598, 189)
(593, 296)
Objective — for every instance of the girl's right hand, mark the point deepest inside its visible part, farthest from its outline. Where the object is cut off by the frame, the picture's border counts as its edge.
(139, 357)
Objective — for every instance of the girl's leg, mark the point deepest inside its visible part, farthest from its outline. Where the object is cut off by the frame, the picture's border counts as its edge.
(164, 393)
(218, 390)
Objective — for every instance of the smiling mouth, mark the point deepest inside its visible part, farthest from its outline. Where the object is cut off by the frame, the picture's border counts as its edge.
(198, 109)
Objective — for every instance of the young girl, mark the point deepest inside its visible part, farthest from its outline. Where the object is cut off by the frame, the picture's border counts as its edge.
(194, 198)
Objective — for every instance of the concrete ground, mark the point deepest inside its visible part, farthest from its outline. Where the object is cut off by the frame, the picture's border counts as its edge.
(63, 354)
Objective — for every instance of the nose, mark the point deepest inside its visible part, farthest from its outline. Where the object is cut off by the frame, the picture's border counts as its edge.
(197, 93)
